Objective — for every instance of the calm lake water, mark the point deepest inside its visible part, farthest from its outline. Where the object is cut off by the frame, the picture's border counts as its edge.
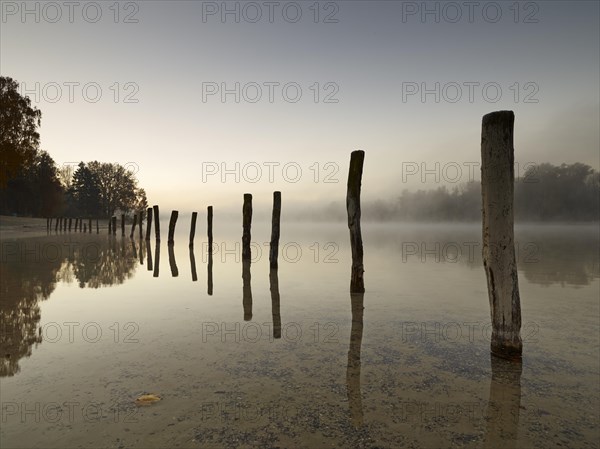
(291, 359)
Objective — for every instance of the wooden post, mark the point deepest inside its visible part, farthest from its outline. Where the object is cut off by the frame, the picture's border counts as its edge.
(156, 223)
(80, 224)
(209, 219)
(110, 225)
(497, 186)
(70, 223)
(114, 225)
(172, 223)
(56, 225)
(123, 225)
(141, 219)
(90, 225)
(148, 222)
(193, 228)
(84, 228)
(353, 207)
(133, 225)
(97, 227)
(274, 248)
(246, 225)
(47, 224)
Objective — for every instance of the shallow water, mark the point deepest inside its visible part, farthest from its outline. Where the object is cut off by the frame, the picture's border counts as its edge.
(289, 358)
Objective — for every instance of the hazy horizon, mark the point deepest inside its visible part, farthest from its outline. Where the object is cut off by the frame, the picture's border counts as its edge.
(367, 55)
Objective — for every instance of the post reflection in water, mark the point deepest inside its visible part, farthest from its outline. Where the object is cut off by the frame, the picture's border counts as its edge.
(504, 404)
(172, 263)
(193, 264)
(275, 303)
(157, 259)
(141, 252)
(134, 248)
(25, 281)
(353, 369)
(246, 291)
(149, 250)
(209, 269)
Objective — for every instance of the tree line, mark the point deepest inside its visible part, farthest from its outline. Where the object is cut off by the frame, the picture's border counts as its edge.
(31, 184)
(546, 192)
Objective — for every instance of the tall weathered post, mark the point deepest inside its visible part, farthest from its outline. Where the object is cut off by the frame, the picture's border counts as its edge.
(123, 225)
(353, 208)
(156, 223)
(47, 223)
(499, 262)
(172, 223)
(110, 225)
(56, 224)
(274, 247)
(70, 223)
(148, 222)
(133, 225)
(114, 225)
(84, 228)
(193, 228)
(90, 225)
(246, 225)
(97, 227)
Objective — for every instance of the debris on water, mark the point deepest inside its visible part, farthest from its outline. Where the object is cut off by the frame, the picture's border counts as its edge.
(147, 399)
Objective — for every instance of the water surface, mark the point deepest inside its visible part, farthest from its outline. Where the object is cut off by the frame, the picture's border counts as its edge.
(243, 356)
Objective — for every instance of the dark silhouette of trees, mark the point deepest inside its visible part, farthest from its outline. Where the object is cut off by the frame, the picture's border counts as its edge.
(99, 189)
(19, 139)
(32, 185)
(565, 193)
(34, 190)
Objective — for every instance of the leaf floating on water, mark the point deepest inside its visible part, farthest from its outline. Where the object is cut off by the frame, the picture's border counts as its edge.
(147, 399)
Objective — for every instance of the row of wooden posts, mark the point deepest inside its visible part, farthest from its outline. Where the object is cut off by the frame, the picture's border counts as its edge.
(66, 224)
(497, 186)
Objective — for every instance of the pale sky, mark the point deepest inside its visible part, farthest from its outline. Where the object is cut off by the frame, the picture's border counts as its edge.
(370, 60)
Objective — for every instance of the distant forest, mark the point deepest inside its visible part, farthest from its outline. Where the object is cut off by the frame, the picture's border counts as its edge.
(31, 184)
(546, 192)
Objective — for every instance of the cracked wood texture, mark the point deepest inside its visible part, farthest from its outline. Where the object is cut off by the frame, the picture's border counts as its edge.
(497, 186)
